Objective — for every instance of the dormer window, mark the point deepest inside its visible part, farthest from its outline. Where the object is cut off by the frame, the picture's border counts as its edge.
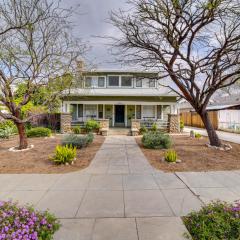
(101, 82)
(113, 81)
(138, 82)
(151, 83)
(126, 81)
(88, 82)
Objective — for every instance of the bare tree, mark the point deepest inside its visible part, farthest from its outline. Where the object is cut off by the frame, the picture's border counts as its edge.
(37, 47)
(194, 43)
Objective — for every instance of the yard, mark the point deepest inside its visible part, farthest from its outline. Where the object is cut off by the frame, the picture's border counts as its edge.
(195, 156)
(37, 160)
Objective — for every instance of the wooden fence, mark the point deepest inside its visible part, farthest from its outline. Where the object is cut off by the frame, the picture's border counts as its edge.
(194, 120)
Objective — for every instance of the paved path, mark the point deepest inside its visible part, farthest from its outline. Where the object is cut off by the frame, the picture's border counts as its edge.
(226, 136)
(120, 196)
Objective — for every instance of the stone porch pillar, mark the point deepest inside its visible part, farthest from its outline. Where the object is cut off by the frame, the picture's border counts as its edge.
(174, 123)
(65, 122)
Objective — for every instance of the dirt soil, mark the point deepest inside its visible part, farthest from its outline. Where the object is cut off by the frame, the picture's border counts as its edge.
(37, 160)
(195, 156)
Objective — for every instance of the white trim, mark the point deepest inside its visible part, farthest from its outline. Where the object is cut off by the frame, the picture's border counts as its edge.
(120, 102)
(113, 115)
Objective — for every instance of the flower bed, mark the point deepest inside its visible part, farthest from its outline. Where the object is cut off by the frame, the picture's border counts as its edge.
(218, 220)
(25, 223)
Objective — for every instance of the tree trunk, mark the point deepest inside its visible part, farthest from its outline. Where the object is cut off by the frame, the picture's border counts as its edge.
(23, 142)
(212, 135)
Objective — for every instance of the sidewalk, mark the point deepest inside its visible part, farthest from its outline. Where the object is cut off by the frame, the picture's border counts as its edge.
(226, 136)
(120, 196)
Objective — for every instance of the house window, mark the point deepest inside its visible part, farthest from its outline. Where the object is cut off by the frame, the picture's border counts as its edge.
(126, 81)
(138, 82)
(100, 111)
(159, 111)
(80, 110)
(101, 81)
(91, 111)
(151, 83)
(88, 82)
(113, 81)
(148, 111)
(138, 111)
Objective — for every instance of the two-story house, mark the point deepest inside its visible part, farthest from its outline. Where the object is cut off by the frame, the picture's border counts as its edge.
(120, 97)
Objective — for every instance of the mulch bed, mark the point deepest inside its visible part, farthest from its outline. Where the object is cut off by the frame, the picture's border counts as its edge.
(195, 156)
(37, 160)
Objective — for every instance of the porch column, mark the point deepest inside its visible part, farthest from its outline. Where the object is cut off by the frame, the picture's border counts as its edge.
(113, 115)
(65, 122)
(155, 107)
(103, 111)
(97, 112)
(126, 115)
(135, 112)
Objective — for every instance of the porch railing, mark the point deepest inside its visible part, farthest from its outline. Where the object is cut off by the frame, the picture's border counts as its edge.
(161, 124)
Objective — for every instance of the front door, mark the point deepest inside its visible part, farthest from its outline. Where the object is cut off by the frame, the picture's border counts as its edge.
(119, 115)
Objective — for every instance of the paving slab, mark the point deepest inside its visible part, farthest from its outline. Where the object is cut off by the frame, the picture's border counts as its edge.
(114, 169)
(199, 180)
(161, 228)
(168, 181)
(139, 182)
(25, 197)
(115, 228)
(144, 203)
(182, 201)
(38, 182)
(75, 229)
(100, 204)
(212, 194)
(105, 182)
(72, 182)
(9, 182)
(64, 204)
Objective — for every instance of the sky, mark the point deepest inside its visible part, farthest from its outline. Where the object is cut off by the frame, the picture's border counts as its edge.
(93, 21)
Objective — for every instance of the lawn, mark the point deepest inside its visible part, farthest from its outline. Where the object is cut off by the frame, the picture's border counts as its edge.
(195, 156)
(37, 160)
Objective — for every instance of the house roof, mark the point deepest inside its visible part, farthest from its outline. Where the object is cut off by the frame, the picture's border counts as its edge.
(119, 92)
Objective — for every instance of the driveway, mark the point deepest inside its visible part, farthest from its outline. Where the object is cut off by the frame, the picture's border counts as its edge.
(120, 196)
(226, 136)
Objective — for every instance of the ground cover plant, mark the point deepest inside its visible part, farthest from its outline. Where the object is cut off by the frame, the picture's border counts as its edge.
(64, 154)
(76, 130)
(7, 128)
(39, 132)
(217, 220)
(156, 140)
(18, 222)
(78, 141)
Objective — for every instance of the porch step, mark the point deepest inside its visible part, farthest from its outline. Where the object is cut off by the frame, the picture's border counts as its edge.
(119, 131)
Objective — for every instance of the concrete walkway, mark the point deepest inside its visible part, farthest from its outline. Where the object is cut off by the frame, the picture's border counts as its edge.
(226, 136)
(120, 196)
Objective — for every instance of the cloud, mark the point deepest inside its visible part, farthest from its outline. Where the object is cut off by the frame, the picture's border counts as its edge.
(92, 21)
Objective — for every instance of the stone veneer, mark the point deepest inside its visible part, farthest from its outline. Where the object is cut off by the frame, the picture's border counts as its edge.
(174, 123)
(104, 123)
(135, 124)
(66, 120)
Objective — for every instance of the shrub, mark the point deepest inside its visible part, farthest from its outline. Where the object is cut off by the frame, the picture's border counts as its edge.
(143, 130)
(6, 132)
(217, 220)
(64, 154)
(197, 135)
(76, 130)
(7, 128)
(92, 125)
(170, 156)
(154, 127)
(181, 125)
(39, 132)
(25, 223)
(78, 141)
(156, 140)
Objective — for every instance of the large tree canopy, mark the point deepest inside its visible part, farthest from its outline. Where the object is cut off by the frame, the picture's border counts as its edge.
(37, 49)
(195, 43)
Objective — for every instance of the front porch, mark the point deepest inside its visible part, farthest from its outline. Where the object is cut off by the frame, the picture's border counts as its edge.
(121, 115)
